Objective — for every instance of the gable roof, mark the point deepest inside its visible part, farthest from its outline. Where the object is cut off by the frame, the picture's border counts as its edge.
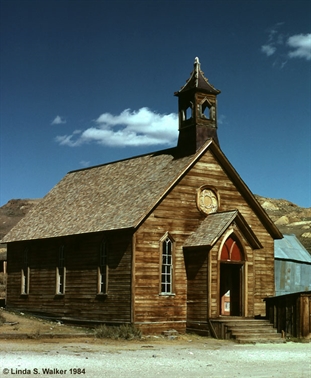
(119, 195)
(214, 226)
(107, 197)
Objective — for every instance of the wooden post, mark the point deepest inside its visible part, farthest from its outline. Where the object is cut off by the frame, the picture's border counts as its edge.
(304, 316)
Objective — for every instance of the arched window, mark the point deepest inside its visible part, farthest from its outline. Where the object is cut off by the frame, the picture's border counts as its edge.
(167, 266)
(232, 250)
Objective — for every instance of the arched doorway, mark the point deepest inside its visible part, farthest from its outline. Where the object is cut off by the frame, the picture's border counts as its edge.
(232, 261)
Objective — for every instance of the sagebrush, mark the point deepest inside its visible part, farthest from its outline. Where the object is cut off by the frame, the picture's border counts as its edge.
(124, 331)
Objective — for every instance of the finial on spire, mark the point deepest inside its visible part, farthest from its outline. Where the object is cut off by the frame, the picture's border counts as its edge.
(196, 70)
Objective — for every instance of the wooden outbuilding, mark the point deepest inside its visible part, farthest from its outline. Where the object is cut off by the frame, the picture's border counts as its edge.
(171, 239)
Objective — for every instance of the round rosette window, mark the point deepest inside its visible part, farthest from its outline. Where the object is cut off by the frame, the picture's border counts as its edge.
(207, 200)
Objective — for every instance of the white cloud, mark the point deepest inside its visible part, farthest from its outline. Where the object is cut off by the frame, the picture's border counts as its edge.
(278, 45)
(85, 163)
(222, 119)
(301, 45)
(275, 38)
(268, 49)
(58, 120)
(129, 128)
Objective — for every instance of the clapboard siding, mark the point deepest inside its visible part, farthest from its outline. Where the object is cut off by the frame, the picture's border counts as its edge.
(81, 299)
(260, 262)
(179, 215)
(197, 284)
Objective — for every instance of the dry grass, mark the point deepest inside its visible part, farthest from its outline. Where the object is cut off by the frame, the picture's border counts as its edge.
(124, 331)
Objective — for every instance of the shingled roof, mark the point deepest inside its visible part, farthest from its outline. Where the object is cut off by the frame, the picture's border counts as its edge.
(119, 195)
(107, 197)
(214, 226)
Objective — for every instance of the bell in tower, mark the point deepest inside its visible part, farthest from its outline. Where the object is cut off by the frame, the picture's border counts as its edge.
(197, 109)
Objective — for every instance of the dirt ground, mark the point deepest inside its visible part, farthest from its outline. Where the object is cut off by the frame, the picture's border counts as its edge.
(31, 330)
(30, 346)
(20, 325)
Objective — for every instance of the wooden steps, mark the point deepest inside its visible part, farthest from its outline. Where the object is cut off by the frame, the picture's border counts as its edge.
(249, 331)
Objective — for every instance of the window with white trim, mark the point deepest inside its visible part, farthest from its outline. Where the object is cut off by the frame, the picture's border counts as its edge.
(167, 266)
(61, 272)
(103, 269)
(25, 273)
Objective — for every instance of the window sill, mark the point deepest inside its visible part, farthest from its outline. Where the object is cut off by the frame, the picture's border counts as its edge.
(101, 296)
(59, 295)
(24, 295)
(167, 294)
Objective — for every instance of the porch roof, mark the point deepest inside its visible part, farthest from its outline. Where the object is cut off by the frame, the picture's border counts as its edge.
(214, 226)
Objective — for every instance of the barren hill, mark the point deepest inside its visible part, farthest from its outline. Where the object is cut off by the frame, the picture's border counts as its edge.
(288, 217)
(12, 212)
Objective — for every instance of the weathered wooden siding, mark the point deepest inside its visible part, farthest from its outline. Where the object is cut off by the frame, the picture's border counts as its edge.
(178, 215)
(81, 300)
(291, 313)
(197, 262)
(260, 262)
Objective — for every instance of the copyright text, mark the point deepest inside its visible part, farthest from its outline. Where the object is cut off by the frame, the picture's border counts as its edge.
(35, 371)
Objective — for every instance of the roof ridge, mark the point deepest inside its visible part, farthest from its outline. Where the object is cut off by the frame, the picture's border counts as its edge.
(154, 153)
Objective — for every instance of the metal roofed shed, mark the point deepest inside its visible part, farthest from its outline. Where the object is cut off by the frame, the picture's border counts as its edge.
(292, 266)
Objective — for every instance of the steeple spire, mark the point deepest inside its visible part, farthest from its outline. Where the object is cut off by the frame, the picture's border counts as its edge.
(197, 69)
(197, 105)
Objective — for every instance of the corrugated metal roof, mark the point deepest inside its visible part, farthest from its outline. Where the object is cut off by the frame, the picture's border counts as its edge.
(290, 248)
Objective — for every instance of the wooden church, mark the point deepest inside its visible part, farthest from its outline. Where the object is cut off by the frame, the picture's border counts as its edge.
(171, 239)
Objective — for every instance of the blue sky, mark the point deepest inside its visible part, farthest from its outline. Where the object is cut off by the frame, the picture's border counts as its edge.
(88, 82)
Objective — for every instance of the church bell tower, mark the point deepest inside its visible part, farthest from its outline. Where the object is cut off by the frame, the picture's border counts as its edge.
(197, 109)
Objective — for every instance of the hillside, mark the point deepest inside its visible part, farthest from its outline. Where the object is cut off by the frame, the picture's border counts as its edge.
(288, 217)
(12, 212)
